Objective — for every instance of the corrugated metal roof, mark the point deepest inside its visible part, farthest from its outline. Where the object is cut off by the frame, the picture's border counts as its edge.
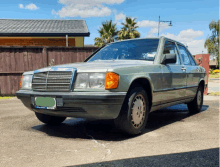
(18, 27)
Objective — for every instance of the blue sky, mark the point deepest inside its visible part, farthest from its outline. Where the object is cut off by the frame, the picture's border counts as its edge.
(190, 18)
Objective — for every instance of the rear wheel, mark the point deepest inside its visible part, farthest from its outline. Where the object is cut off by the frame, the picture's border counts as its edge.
(195, 106)
(134, 112)
(50, 120)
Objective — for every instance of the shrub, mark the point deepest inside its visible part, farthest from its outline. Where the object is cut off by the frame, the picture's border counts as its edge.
(210, 71)
(215, 71)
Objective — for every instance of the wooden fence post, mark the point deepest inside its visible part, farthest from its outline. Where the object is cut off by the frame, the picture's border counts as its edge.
(45, 55)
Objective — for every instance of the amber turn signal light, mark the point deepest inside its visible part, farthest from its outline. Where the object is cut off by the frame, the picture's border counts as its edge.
(111, 80)
(21, 82)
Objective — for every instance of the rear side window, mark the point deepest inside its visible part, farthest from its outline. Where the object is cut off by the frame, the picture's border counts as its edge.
(170, 47)
(184, 55)
(191, 59)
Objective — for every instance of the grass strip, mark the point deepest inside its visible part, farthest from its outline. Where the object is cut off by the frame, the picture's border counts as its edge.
(6, 97)
(214, 93)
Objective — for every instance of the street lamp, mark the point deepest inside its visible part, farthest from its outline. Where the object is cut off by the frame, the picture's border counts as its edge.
(164, 22)
(201, 59)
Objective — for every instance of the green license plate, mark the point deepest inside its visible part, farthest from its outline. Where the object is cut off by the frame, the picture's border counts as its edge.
(45, 102)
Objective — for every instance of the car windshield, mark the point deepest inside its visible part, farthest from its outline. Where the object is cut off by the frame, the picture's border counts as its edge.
(141, 49)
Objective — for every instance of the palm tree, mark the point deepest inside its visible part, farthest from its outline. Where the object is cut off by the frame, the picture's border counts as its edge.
(107, 32)
(128, 30)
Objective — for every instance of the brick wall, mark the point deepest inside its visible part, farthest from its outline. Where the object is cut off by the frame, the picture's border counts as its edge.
(203, 60)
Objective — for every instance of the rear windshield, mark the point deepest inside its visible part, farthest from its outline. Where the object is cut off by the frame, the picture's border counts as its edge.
(142, 49)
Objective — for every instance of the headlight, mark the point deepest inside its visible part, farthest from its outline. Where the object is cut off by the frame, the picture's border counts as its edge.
(26, 81)
(90, 80)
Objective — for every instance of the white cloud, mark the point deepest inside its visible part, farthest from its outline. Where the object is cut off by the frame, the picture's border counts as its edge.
(66, 2)
(190, 33)
(85, 8)
(30, 6)
(189, 37)
(147, 23)
(153, 25)
(84, 12)
(21, 6)
(53, 12)
(120, 17)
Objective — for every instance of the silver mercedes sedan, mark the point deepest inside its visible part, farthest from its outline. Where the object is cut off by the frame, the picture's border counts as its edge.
(123, 81)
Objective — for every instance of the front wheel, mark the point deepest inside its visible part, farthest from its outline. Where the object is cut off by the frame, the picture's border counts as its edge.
(134, 112)
(195, 106)
(50, 120)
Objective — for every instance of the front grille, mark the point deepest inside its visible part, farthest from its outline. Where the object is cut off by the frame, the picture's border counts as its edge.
(52, 81)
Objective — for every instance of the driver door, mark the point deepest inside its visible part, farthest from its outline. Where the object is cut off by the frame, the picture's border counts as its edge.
(173, 76)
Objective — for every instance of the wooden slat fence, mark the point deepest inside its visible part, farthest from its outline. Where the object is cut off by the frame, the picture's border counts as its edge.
(16, 60)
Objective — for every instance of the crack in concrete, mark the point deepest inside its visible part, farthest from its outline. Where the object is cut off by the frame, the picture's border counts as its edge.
(108, 150)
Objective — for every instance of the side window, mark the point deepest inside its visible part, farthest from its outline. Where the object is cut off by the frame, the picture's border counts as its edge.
(170, 47)
(184, 55)
(191, 59)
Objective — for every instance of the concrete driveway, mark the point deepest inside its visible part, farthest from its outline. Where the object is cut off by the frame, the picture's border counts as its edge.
(213, 86)
(173, 137)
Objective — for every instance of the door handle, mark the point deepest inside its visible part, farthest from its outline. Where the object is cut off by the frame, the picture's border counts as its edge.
(184, 69)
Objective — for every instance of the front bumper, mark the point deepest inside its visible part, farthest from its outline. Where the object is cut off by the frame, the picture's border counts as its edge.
(99, 105)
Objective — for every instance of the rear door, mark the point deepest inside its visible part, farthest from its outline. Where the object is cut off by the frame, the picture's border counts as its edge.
(173, 76)
(192, 76)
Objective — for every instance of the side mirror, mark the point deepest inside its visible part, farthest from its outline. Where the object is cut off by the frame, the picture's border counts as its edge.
(169, 58)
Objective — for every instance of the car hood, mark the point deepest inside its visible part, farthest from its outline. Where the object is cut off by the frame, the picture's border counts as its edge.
(107, 65)
(97, 66)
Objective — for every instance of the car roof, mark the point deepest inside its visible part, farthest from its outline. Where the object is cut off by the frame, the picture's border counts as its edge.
(162, 37)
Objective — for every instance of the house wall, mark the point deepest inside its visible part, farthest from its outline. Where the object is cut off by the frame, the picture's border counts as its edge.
(79, 41)
(41, 41)
(213, 63)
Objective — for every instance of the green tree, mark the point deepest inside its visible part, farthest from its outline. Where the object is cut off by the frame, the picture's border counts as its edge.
(128, 30)
(212, 42)
(108, 33)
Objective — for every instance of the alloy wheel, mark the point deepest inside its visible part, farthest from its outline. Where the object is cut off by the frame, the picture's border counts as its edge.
(138, 111)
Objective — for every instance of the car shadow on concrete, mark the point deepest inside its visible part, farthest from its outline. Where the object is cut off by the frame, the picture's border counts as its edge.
(201, 158)
(169, 115)
(105, 129)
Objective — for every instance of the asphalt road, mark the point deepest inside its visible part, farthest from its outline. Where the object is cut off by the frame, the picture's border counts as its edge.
(173, 137)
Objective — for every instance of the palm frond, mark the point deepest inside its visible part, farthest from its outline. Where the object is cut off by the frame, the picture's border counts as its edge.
(108, 32)
(128, 31)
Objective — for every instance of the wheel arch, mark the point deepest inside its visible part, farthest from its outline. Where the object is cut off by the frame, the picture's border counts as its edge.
(146, 84)
(202, 83)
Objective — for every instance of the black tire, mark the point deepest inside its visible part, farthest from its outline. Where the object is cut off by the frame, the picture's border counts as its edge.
(195, 106)
(50, 120)
(126, 121)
